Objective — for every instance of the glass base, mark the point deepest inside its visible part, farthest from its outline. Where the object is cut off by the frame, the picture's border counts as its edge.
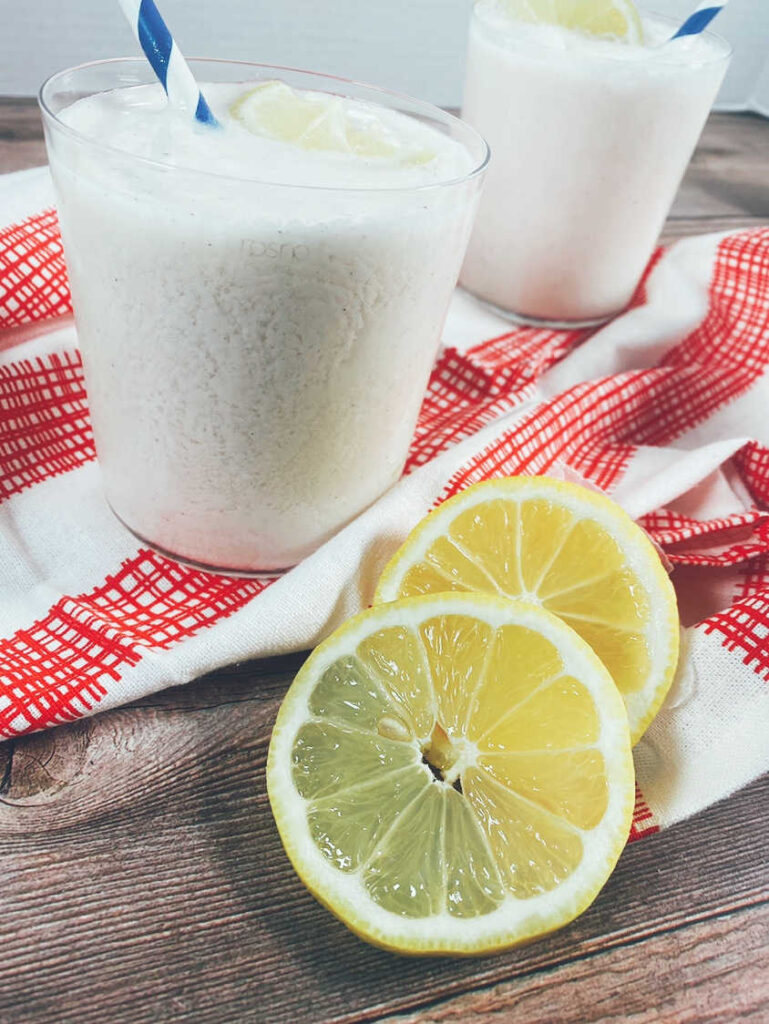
(190, 563)
(522, 320)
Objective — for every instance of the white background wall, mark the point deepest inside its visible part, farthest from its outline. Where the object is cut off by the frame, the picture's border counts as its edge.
(416, 46)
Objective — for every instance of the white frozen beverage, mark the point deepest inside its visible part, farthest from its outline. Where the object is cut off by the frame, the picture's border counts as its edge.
(258, 306)
(589, 138)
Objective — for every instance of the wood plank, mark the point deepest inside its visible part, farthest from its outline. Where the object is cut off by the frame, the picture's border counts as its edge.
(727, 175)
(685, 227)
(706, 973)
(21, 134)
(144, 879)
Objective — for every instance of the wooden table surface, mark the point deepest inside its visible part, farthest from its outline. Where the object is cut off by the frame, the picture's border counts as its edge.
(143, 878)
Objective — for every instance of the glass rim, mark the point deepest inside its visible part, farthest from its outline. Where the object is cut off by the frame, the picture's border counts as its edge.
(435, 112)
(724, 52)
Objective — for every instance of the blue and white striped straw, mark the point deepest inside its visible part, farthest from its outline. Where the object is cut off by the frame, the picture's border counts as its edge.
(699, 19)
(166, 59)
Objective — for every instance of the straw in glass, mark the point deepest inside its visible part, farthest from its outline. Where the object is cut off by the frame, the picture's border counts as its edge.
(166, 59)
(700, 18)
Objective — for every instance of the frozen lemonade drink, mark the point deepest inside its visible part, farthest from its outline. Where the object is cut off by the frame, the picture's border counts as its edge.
(591, 116)
(259, 304)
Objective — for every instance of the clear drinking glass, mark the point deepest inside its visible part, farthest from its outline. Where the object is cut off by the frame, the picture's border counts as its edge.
(255, 353)
(589, 142)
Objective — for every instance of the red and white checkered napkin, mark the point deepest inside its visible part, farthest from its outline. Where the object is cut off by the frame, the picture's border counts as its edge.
(665, 408)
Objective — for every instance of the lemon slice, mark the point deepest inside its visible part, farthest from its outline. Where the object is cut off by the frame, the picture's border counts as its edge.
(606, 19)
(452, 773)
(574, 552)
(321, 121)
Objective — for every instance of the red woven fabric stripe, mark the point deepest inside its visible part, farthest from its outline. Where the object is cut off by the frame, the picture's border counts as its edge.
(669, 527)
(33, 277)
(735, 555)
(44, 424)
(745, 629)
(714, 364)
(738, 313)
(753, 463)
(529, 350)
(156, 602)
(603, 464)
(753, 579)
(643, 819)
(713, 542)
(744, 626)
(461, 398)
(468, 391)
(60, 668)
(579, 419)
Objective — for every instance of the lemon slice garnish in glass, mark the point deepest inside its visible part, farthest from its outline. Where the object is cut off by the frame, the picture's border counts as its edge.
(605, 19)
(322, 122)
